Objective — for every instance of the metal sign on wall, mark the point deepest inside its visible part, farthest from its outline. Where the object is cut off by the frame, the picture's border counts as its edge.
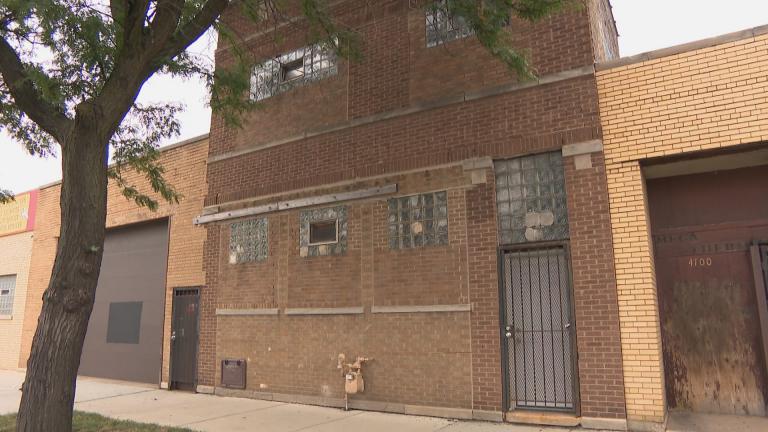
(18, 215)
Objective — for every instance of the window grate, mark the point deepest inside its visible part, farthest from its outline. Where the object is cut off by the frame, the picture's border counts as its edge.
(7, 291)
(418, 220)
(300, 67)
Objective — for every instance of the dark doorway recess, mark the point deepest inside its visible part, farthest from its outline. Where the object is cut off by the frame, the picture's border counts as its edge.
(538, 328)
(184, 338)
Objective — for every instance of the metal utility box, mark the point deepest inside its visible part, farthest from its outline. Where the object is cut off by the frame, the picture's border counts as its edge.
(233, 373)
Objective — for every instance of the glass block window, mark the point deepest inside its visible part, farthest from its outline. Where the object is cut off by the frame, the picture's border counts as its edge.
(248, 241)
(442, 26)
(317, 227)
(531, 199)
(7, 291)
(294, 69)
(418, 220)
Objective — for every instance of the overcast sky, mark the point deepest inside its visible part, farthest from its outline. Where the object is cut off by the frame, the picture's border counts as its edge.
(644, 25)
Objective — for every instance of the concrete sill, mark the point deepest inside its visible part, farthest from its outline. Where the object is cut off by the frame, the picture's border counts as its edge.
(422, 309)
(246, 312)
(6, 317)
(325, 311)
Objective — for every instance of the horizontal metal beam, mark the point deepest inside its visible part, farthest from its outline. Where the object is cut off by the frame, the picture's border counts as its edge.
(297, 203)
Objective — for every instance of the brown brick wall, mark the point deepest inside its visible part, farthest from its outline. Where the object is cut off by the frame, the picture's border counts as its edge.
(420, 358)
(185, 169)
(396, 70)
(529, 120)
(428, 140)
(605, 37)
(601, 380)
(484, 295)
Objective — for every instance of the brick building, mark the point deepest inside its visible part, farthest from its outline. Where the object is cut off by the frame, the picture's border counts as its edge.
(420, 207)
(17, 224)
(687, 166)
(152, 263)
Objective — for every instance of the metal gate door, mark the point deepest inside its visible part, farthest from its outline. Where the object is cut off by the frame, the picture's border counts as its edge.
(539, 330)
(184, 338)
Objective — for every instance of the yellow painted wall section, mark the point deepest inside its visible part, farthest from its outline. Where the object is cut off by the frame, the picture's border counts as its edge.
(15, 254)
(707, 98)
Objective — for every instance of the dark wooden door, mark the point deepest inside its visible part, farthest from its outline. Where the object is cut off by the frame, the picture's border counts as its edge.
(184, 337)
(704, 226)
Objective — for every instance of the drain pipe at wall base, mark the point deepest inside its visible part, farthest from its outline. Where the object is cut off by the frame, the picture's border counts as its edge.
(353, 376)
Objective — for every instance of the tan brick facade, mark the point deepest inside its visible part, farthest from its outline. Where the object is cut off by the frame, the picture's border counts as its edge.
(185, 169)
(15, 256)
(707, 95)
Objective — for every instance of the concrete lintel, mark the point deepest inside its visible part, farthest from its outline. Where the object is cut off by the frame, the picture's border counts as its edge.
(586, 147)
(246, 312)
(297, 203)
(477, 163)
(420, 309)
(325, 311)
(204, 389)
(604, 423)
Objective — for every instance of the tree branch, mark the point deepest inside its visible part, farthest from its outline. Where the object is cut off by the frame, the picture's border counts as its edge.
(27, 98)
(166, 20)
(195, 28)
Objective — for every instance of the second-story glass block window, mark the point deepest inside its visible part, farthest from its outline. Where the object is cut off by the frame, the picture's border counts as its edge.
(418, 220)
(248, 241)
(296, 68)
(442, 26)
(531, 198)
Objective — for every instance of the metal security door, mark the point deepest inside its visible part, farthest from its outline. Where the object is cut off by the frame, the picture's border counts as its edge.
(184, 338)
(538, 328)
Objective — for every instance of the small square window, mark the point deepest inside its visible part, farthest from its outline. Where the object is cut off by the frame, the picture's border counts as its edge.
(7, 288)
(293, 70)
(323, 232)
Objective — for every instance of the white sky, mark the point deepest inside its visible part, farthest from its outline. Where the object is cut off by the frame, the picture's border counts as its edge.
(644, 25)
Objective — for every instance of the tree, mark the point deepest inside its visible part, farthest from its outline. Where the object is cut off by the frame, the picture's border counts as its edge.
(71, 71)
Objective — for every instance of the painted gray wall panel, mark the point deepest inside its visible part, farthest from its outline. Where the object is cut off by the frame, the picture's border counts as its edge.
(133, 270)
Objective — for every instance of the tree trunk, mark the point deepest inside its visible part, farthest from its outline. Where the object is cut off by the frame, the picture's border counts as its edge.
(49, 388)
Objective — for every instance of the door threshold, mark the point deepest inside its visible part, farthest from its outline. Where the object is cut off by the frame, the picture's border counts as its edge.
(547, 418)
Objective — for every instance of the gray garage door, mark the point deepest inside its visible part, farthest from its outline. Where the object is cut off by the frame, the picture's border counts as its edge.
(125, 334)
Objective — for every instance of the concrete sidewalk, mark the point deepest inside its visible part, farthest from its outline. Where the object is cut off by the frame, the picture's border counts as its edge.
(214, 413)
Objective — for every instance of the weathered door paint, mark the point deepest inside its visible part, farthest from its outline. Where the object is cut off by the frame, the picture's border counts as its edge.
(703, 227)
